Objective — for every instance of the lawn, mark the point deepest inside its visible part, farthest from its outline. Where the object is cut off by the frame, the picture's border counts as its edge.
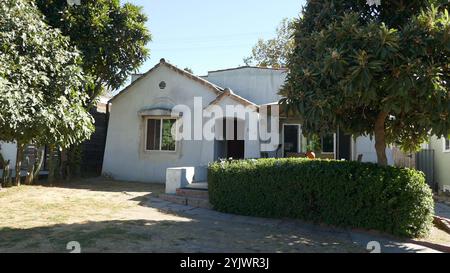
(113, 216)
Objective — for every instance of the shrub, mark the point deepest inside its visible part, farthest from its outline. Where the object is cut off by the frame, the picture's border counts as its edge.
(339, 193)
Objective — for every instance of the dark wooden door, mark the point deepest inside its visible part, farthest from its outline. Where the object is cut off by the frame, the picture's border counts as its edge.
(236, 145)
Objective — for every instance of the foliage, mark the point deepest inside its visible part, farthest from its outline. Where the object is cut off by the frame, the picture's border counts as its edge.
(111, 37)
(40, 79)
(340, 193)
(40, 83)
(274, 52)
(381, 71)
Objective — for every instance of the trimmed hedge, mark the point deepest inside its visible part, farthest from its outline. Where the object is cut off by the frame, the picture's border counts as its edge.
(339, 193)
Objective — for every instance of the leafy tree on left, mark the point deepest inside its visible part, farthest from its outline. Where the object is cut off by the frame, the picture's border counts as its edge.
(40, 82)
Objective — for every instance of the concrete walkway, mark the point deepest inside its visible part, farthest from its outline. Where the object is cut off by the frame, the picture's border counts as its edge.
(284, 236)
(442, 210)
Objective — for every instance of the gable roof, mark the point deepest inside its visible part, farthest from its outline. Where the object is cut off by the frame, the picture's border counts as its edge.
(219, 91)
(214, 88)
(229, 93)
(247, 66)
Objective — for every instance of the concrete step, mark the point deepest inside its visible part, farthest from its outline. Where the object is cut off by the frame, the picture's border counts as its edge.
(187, 201)
(198, 203)
(195, 193)
(198, 185)
(172, 198)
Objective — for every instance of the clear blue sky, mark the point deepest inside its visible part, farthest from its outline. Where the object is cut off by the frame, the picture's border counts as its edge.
(211, 34)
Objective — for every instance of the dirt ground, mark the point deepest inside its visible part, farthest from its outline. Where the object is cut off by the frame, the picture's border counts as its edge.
(112, 216)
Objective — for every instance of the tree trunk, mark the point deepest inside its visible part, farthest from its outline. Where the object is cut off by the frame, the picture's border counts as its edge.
(380, 139)
(38, 165)
(19, 158)
(51, 164)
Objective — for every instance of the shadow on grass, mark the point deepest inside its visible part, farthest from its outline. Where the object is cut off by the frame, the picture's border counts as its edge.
(105, 185)
(159, 236)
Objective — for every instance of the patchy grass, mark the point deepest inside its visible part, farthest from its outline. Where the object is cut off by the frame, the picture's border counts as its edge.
(50, 212)
(110, 216)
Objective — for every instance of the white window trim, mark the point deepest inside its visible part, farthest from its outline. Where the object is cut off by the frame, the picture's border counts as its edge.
(160, 135)
(444, 148)
(300, 139)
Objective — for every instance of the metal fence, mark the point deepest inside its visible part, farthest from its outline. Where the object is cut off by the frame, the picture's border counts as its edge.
(425, 163)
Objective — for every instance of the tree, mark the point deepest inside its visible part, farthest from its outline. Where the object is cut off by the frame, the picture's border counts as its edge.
(40, 82)
(274, 52)
(372, 70)
(110, 36)
(112, 39)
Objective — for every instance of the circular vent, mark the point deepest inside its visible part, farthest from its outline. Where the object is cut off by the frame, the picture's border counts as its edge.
(162, 85)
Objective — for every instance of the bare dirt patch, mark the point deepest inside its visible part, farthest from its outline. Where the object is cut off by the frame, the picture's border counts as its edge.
(115, 216)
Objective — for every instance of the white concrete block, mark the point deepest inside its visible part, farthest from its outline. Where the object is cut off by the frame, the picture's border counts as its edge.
(178, 178)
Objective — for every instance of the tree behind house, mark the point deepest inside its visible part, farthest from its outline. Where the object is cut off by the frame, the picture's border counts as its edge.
(274, 52)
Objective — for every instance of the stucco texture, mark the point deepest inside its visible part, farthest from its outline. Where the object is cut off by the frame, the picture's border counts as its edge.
(441, 162)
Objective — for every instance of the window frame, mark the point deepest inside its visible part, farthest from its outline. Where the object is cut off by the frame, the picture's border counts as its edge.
(161, 119)
(299, 139)
(444, 145)
(334, 145)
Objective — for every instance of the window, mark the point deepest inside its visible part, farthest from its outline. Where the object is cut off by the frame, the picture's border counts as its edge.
(328, 144)
(159, 135)
(446, 145)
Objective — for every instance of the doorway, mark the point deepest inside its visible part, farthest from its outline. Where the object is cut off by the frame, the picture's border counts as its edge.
(232, 143)
(291, 143)
(344, 146)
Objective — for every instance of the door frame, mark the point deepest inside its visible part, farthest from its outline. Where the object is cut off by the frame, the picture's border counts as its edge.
(299, 138)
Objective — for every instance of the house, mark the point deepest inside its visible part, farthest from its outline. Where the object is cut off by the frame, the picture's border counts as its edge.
(143, 131)
(441, 148)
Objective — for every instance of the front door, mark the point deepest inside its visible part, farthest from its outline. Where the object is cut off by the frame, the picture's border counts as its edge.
(236, 146)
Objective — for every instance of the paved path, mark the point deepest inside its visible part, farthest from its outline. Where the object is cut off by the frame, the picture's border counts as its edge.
(233, 233)
(442, 210)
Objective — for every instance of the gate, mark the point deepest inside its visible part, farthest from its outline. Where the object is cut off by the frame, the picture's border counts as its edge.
(425, 163)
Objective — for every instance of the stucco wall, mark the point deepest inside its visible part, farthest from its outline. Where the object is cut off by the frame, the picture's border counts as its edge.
(257, 85)
(366, 146)
(125, 156)
(441, 161)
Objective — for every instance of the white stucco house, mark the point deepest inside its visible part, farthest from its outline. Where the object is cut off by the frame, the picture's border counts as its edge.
(140, 144)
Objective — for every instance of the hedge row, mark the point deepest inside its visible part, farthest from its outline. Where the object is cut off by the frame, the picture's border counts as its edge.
(340, 193)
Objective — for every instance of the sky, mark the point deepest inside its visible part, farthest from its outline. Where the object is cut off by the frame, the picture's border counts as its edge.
(207, 35)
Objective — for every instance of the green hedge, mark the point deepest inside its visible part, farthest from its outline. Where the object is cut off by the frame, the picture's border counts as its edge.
(340, 193)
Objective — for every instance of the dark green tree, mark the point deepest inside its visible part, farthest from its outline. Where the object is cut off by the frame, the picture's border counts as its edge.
(40, 82)
(111, 37)
(372, 70)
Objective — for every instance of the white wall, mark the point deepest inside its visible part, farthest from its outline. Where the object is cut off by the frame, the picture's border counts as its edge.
(366, 146)
(9, 152)
(257, 85)
(125, 157)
